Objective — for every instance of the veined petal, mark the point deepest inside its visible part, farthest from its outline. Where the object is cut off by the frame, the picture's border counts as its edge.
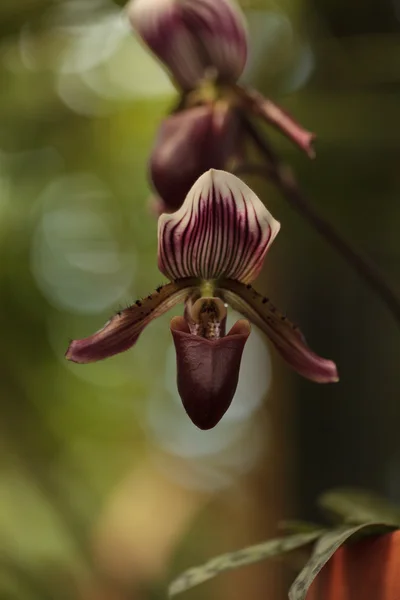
(123, 330)
(221, 29)
(192, 36)
(287, 338)
(221, 230)
(208, 370)
(189, 143)
(160, 25)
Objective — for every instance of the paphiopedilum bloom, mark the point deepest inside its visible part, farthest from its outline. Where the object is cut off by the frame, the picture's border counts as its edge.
(211, 250)
(203, 44)
(193, 37)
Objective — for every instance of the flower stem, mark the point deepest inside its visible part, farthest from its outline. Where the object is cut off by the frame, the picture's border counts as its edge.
(282, 176)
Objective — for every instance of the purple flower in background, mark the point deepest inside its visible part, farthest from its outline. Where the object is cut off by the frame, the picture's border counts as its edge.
(211, 250)
(203, 44)
(193, 38)
(189, 143)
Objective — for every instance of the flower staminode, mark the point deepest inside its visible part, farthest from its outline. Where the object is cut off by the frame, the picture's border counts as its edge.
(211, 250)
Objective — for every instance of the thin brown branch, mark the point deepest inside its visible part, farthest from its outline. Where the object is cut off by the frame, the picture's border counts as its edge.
(282, 176)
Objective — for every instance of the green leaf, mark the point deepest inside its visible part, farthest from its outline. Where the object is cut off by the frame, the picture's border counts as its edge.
(298, 526)
(358, 506)
(246, 556)
(325, 547)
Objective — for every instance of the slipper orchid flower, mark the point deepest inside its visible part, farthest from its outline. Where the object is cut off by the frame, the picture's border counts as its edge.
(211, 250)
(204, 41)
(192, 37)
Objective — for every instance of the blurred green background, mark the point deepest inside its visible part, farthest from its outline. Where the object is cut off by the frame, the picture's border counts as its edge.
(107, 491)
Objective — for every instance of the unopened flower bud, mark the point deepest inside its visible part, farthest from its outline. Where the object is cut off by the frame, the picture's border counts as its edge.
(188, 144)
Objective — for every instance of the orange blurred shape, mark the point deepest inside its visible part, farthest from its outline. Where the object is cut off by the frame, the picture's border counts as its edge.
(365, 570)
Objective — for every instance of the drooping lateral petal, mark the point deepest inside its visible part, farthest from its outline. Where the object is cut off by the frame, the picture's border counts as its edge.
(189, 143)
(287, 338)
(208, 370)
(221, 230)
(123, 330)
(275, 115)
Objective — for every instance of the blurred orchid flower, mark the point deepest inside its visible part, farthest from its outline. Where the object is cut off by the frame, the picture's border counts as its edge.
(203, 44)
(189, 143)
(211, 249)
(193, 37)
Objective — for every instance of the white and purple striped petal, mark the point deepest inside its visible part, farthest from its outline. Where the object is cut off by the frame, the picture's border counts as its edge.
(221, 230)
(192, 36)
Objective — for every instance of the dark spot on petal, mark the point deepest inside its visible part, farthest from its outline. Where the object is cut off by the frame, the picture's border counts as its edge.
(264, 300)
(248, 287)
(138, 303)
(158, 290)
(149, 297)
